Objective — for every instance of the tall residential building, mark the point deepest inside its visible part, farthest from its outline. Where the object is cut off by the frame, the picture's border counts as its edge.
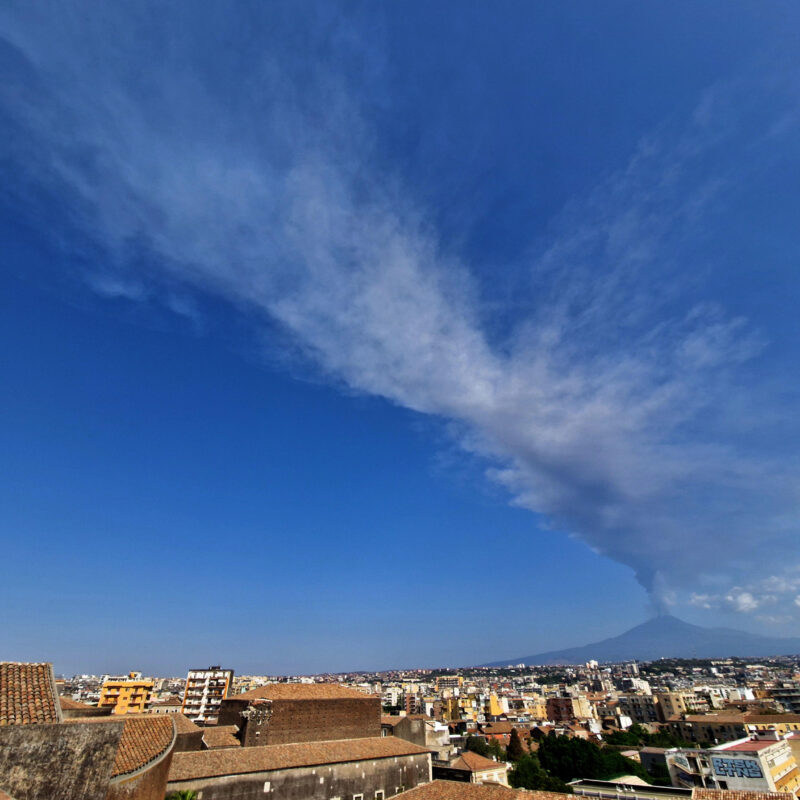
(205, 690)
(129, 695)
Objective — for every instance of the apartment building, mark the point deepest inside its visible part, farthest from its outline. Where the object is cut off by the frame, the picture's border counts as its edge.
(675, 704)
(129, 695)
(641, 708)
(205, 690)
(760, 764)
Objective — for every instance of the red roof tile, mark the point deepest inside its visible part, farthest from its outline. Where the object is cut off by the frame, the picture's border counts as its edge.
(145, 738)
(303, 691)
(27, 694)
(475, 763)
(214, 738)
(455, 790)
(215, 763)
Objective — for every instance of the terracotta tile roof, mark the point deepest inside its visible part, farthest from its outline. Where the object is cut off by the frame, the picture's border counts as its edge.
(144, 738)
(214, 763)
(183, 724)
(27, 694)
(303, 691)
(68, 704)
(214, 738)
(498, 727)
(475, 763)
(735, 794)
(455, 790)
(390, 719)
(714, 719)
(772, 719)
(232, 729)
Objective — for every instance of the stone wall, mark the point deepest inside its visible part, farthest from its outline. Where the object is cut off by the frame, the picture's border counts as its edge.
(150, 784)
(58, 761)
(389, 775)
(289, 721)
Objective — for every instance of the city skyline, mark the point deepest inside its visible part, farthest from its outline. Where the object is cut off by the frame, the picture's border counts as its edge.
(346, 336)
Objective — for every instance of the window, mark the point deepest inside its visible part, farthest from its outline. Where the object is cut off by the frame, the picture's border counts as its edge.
(358, 797)
(379, 794)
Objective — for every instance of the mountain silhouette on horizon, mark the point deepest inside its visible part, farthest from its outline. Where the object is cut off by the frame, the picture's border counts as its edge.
(665, 637)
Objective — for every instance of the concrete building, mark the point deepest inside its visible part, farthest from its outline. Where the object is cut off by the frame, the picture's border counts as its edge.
(205, 690)
(760, 764)
(709, 728)
(566, 709)
(675, 704)
(639, 707)
(788, 697)
(129, 695)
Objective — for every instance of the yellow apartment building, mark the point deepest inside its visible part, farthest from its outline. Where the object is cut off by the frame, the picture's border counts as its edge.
(127, 696)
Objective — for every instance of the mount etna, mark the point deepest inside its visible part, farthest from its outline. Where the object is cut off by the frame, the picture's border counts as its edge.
(665, 637)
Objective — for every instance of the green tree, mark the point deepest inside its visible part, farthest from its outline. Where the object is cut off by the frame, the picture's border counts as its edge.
(528, 774)
(568, 759)
(515, 750)
(477, 744)
(184, 794)
(497, 751)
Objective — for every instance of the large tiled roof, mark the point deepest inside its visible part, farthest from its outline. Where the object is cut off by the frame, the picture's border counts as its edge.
(303, 691)
(144, 738)
(475, 763)
(772, 719)
(214, 763)
(455, 790)
(27, 694)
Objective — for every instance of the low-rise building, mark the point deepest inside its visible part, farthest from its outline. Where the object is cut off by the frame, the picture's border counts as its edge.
(376, 768)
(470, 767)
(764, 763)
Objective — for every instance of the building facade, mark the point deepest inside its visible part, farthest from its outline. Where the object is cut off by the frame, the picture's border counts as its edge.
(758, 764)
(129, 695)
(205, 691)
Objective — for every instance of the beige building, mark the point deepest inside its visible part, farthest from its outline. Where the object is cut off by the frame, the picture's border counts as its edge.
(675, 704)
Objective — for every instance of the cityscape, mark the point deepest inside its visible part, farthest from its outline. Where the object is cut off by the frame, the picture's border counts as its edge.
(399, 400)
(671, 729)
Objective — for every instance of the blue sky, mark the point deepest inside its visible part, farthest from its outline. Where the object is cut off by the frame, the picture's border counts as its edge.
(349, 335)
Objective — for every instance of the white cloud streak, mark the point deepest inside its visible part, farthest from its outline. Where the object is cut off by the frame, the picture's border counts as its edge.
(601, 412)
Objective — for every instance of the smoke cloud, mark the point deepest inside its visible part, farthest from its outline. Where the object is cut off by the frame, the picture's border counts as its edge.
(613, 408)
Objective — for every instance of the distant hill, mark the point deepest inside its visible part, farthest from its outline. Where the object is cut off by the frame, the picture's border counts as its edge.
(666, 637)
